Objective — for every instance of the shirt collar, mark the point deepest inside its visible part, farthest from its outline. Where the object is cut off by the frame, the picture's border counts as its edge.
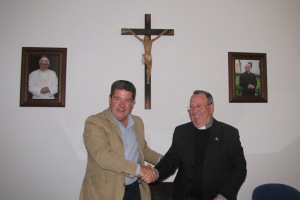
(130, 121)
(208, 125)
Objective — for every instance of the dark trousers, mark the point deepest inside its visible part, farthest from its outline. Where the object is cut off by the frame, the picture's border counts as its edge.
(132, 191)
(191, 197)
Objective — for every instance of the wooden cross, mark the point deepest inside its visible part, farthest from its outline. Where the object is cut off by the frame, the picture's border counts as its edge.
(147, 32)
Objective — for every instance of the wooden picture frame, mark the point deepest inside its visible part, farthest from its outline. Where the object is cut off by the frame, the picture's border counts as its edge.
(30, 62)
(247, 88)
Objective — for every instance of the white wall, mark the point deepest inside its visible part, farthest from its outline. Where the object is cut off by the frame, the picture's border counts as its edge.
(42, 155)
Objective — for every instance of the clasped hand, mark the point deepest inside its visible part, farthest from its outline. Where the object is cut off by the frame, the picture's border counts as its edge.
(45, 90)
(147, 174)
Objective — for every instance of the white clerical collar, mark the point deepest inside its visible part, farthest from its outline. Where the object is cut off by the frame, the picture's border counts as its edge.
(208, 125)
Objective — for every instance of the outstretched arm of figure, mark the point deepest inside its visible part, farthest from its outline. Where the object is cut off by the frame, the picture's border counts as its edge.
(159, 35)
(135, 35)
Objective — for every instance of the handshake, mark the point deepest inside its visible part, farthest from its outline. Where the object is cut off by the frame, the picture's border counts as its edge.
(148, 174)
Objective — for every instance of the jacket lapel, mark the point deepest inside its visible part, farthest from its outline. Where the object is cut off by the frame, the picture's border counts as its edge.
(189, 144)
(114, 125)
(213, 146)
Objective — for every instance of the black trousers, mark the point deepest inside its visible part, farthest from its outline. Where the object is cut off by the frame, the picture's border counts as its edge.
(191, 197)
(132, 191)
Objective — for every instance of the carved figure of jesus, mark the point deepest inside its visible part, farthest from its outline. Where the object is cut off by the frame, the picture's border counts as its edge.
(147, 56)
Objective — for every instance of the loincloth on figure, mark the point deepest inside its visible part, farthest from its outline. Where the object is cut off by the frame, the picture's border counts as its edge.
(147, 57)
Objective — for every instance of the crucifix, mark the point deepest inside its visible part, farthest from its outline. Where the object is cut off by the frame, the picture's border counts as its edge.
(147, 57)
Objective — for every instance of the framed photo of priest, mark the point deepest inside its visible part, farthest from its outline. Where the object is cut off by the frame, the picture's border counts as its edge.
(43, 77)
(247, 77)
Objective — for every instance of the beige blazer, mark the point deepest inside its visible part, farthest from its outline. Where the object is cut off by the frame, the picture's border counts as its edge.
(106, 167)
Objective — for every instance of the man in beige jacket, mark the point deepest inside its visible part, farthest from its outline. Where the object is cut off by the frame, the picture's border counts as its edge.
(117, 149)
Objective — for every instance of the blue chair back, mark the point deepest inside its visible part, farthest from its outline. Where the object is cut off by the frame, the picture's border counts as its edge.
(275, 191)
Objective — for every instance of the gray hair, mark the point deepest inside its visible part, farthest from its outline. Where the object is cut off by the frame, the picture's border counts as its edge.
(209, 97)
(248, 64)
(44, 59)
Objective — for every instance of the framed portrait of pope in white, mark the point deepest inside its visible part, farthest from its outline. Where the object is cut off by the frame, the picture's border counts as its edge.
(43, 77)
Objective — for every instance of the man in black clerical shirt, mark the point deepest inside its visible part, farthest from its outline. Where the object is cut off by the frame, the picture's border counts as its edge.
(207, 153)
(248, 81)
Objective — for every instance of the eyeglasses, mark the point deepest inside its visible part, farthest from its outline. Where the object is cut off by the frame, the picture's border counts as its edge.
(197, 107)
